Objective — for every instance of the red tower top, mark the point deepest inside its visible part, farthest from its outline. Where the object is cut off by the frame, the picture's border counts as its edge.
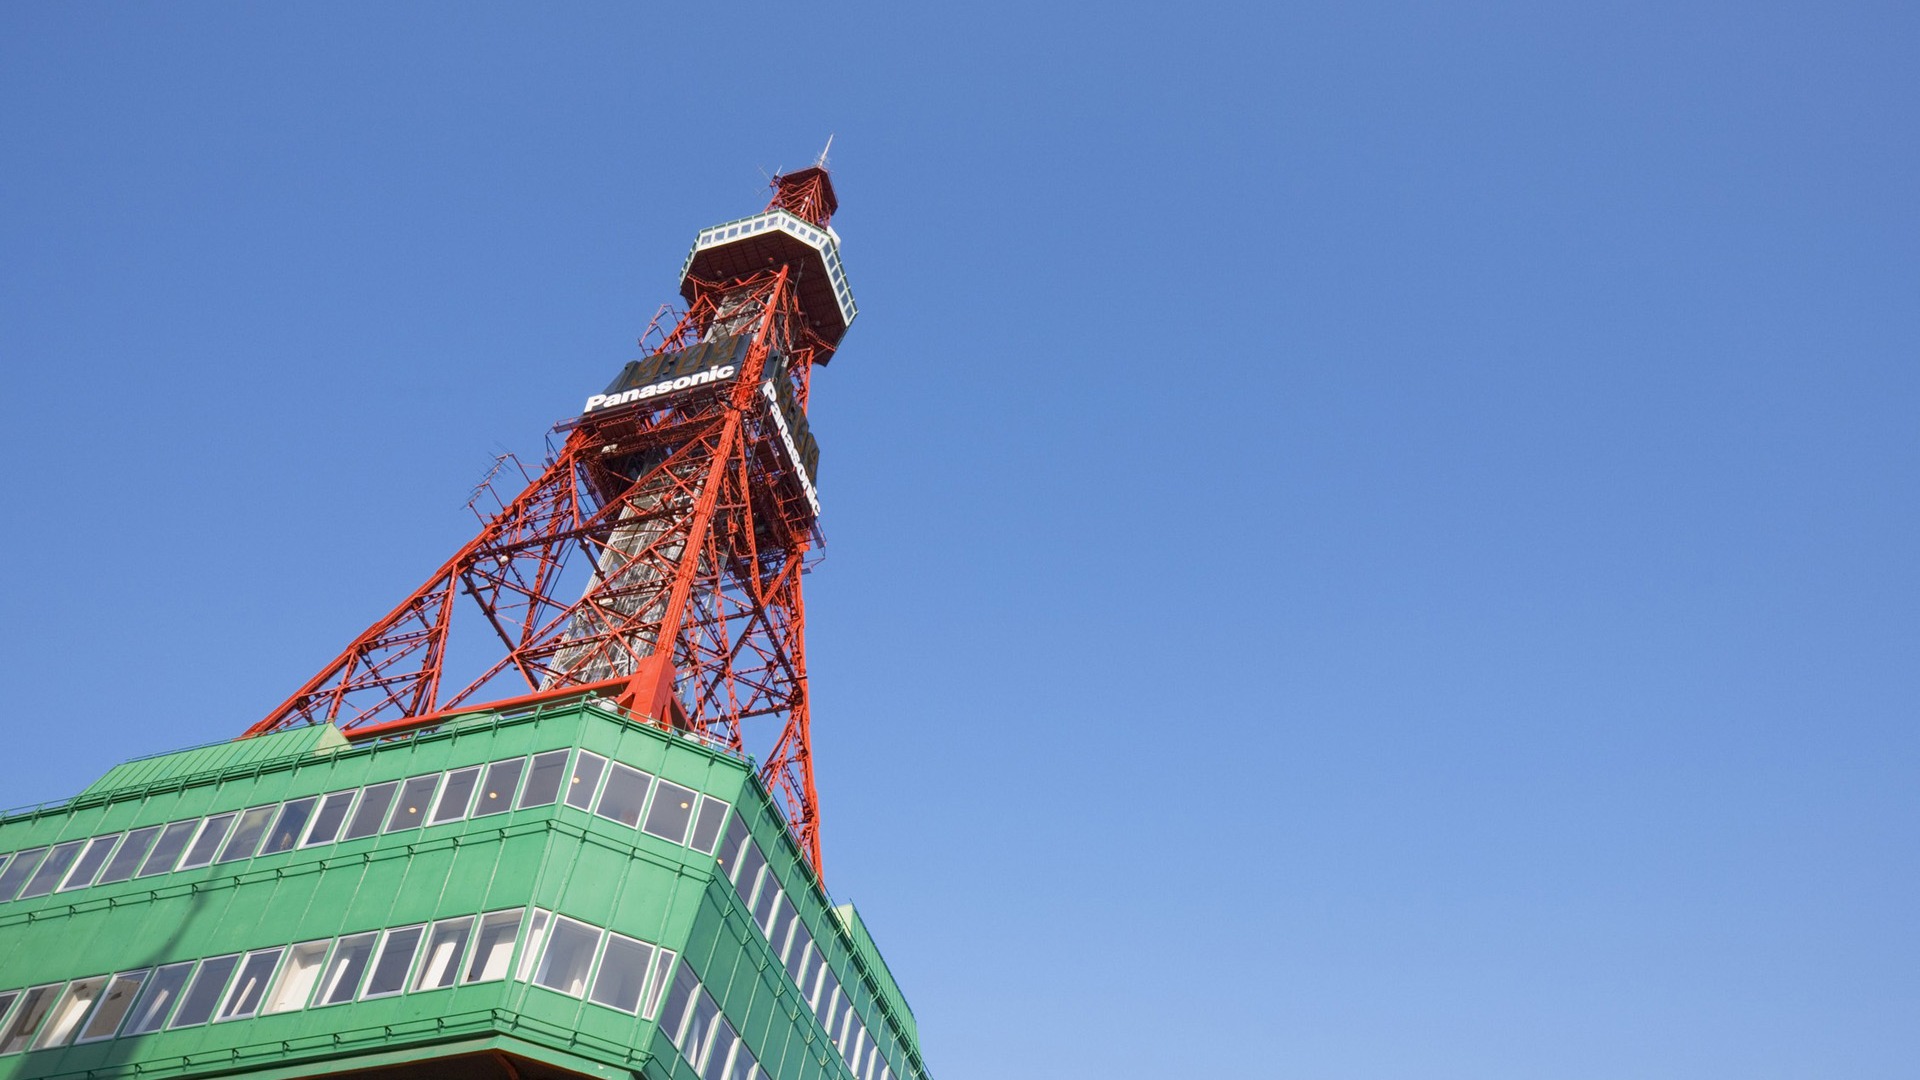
(806, 194)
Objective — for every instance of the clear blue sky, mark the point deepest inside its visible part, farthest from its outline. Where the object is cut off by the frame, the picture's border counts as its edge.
(1365, 541)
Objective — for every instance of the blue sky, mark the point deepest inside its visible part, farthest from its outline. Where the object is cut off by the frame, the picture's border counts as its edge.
(1365, 540)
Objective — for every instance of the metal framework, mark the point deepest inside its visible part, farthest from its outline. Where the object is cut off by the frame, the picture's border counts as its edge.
(655, 557)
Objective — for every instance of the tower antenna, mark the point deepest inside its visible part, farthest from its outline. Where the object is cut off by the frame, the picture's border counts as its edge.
(822, 163)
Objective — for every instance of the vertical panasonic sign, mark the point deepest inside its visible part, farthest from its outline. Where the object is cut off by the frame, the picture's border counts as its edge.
(795, 435)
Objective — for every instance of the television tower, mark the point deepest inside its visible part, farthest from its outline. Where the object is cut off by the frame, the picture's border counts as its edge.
(655, 558)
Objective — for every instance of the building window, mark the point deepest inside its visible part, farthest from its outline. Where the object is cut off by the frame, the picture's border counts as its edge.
(569, 955)
(127, 859)
(662, 971)
(456, 797)
(493, 947)
(625, 794)
(166, 851)
(410, 811)
(113, 1006)
(543, 783)
(65, 1018)
(706, 827)
(248, 834)
(622, 979)
(347, 967)
(90, 862)
(212, 831)
(446, 945)
(55, 868)
(15, 876)
(371, 810)
(536, 936)
(286, 830)
(160, 996)
(496, 792)
(250, 988)
(196, 1005)
(396, 959)
(297, 979)
(34, 1006)
(671, 812)
(586, 777)
(326, 823)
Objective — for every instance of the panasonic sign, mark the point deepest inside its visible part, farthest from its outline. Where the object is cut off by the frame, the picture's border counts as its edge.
(803, 453)
(668, 373)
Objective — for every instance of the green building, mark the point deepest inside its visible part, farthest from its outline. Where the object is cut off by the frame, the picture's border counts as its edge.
(533, 894)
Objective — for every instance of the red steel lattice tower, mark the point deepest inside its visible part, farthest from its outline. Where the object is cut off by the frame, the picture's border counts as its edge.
(655, 557)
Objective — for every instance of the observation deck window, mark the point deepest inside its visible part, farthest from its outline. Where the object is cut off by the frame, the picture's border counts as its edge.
(456, 796)
(493, 949)
(622, 978)
(248, 834)
(373, 806)
(543, 783)
(288, 827)
(396, 960)
(446, 947)
(347, 967)
(326, 823)
(299, 977)
(568, 957)
(581, 786)
(88, 866)
(410, 810)
(166, 851)
(34, 1007)
(64, 1021)
(496, 792)
(625, 795)
(14, 878)
(671, 813)
(250, 988)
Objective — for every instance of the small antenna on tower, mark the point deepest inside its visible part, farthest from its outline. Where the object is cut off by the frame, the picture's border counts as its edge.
(822, 163)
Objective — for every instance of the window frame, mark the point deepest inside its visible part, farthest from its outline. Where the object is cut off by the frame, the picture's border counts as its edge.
(225, 820)
(139, 977)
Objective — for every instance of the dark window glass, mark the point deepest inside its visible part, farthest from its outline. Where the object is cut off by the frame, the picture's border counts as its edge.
(410, 810)
(586, 777)
(396, 959)
(347, 967)
(50, 872)
(798, 955)
(17, 872)
(763, 907)
(248, 834)
(373, 808)
(670, 813)
(26, 1019)
(823, 1004)
(160, 997)
(456, 796)
(126, 859)
(673, 1018)
(286, 830)
(166, 851)
(446, 944)
(622, 977)
(196, 1005)
(719, 1051)
(706, 827)
(747, 873)
(113, 1007)
(7, 998)
(212, 831)
(251, 986)
(90, 862)
(700, 1020)
(543, 784)
(496, 792)
(326, 823)
(783, 917)
(729, 856)
(625, 794)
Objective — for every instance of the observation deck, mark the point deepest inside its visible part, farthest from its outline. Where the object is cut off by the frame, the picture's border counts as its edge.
(776, 237)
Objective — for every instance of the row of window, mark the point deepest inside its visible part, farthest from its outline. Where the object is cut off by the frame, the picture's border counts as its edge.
(620, 793)
(703, 1035)
(560, 954)
(774, 915)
